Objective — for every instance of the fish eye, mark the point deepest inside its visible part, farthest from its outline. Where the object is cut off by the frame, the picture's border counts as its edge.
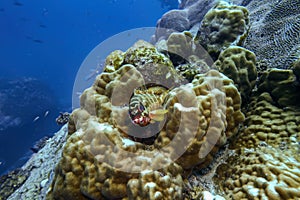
(141, 107)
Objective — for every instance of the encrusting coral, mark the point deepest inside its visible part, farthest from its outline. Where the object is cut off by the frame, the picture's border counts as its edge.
(103, 158)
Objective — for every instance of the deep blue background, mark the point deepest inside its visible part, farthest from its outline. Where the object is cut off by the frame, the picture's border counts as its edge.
(48, 40)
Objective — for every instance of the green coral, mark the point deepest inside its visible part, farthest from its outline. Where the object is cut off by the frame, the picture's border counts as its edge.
(114, 61)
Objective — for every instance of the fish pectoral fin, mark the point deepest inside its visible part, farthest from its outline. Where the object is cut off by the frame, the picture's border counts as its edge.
(158, 115)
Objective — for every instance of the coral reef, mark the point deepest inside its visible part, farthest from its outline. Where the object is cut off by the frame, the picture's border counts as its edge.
(265, 164)
(221, 26)
(274, 34)
(187, 56)
(282, 85)
(202, 141)
(11, 182)
(63, 118)
(219, 116)
(102, 154)
(183, 19)
(239, 64)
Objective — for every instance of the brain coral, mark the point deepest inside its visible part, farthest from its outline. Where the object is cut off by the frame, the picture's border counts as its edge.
(102, 158)
(275, 32)
(221, 26)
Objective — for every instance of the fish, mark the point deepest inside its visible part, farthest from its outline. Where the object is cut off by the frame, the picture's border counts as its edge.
(36, 118)
(46, 113)
(146, 105)
(17, 3)
(38, 41)
(42, 26)
(96, 71)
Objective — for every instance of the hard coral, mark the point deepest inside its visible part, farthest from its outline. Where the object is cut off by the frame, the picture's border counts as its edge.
(282, 85)
(274, 33)
(102, 158)
(265, 164)
(223, 25)
(214, 105)
(239, 64)
(187, 56)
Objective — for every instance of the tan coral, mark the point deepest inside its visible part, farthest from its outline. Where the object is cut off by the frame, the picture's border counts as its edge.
(282, 85)
(266, 165)
(154, 66)
(102, 159)
(155, 185)
(239, 64)
(188, 56)
(266, 173)
(206, 113)
(223, 25)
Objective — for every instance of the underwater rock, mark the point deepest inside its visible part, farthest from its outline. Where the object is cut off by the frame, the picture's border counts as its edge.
(39, 144)
(11, 182)
(38, 170)
(174, 20)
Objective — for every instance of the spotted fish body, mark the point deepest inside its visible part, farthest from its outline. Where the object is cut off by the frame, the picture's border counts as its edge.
(146, 105)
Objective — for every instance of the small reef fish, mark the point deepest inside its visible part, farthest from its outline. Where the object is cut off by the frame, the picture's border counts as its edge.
(17, 3)
(42, 26)
(36, 118)
(38, 41)
(46, 113)
(95, 72)
(146, 105)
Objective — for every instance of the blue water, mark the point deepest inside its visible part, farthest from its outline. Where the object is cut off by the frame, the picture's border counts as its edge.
(42, 45)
